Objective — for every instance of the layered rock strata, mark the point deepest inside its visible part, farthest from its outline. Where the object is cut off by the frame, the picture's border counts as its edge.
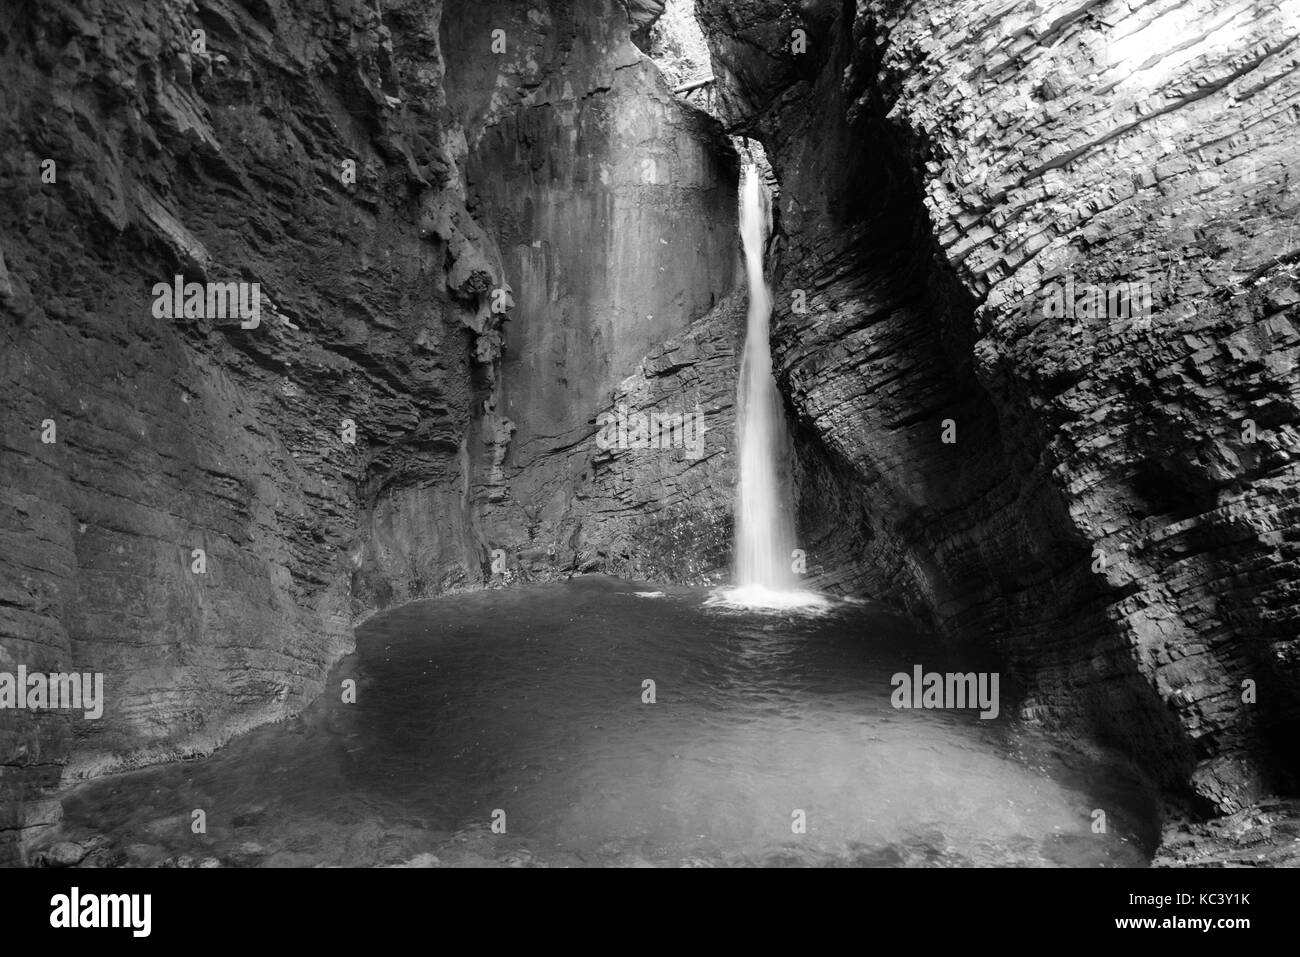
(1037, 307)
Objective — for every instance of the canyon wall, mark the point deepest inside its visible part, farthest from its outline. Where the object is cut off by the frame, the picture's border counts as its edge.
(215, 156)
(1109, 495)
(199, 507)
(614, 207)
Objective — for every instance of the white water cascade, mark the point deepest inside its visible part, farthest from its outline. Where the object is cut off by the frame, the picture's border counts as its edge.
(764, 510)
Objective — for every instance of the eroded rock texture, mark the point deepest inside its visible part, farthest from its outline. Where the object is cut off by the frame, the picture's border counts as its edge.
(1106, 514)
(228, 155)
(176, 435)
(614, 207)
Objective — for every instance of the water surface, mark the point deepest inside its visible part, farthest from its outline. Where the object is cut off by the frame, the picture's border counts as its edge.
(530, 702)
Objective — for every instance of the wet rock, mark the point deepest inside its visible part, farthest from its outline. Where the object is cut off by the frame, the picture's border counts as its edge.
(145, 855)
(593, 146)
(247, 854)
(105, 857)
(62, 854)
(1265, 835)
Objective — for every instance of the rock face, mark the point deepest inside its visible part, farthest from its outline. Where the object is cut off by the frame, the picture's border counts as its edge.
(1116, 500)
(614, 207)
(200, 508)
(220, 160)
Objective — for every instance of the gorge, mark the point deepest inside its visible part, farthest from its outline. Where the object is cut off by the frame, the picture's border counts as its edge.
(477, 228)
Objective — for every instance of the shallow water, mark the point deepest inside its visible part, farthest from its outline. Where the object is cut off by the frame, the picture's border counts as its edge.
(529, 701)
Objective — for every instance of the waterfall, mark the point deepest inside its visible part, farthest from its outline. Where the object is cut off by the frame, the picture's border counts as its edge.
(764, 510)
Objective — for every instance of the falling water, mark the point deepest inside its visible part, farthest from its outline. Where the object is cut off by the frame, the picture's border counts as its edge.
(764, 525)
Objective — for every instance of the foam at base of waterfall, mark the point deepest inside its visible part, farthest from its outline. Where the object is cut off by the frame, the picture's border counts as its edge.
(761, 598)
